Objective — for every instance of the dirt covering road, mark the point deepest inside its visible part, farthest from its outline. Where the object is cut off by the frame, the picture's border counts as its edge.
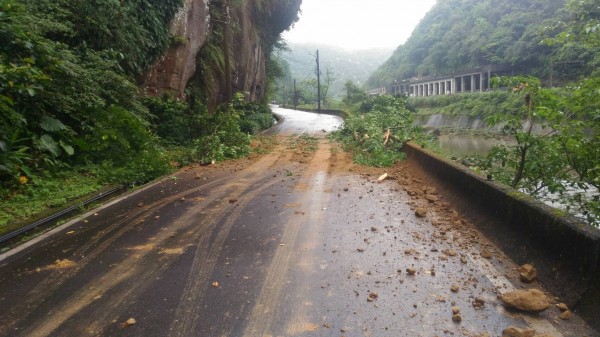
(296, 242)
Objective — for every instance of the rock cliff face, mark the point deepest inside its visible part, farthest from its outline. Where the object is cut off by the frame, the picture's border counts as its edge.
(254, 26)
(189, 29)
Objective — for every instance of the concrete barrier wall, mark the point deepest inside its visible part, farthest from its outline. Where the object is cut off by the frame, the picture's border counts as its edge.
(559, 234)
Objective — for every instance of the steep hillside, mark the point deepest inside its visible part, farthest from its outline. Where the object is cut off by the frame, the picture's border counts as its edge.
(75, 77)
(463, 34)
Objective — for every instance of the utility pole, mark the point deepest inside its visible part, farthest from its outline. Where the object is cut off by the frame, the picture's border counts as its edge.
(295, 96)
(551, 74)
(318, 84)
(226, 51)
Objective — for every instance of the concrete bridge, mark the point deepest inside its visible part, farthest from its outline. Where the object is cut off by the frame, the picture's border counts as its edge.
(473, 80)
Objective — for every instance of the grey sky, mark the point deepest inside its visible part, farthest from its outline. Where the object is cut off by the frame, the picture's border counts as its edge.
(358, 24)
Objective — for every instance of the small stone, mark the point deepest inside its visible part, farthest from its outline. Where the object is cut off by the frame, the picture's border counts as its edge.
(512, 331)
(421, 212)
(527, 273)
(450, 252)
(566, 315)
(372, 296)
(431, 198)
(129, 322)
(411, 271)
(486, 254)
(463, 259)
(457, 318)
(562, 307)
(455, 310)
(478, 303)
(454, 288)
(526, 300)
(374, 229)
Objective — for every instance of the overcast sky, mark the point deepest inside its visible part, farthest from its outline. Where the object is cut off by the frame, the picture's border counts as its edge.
(358, 24)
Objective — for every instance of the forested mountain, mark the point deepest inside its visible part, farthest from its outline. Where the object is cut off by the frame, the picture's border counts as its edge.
(337, 64)
(462, 34)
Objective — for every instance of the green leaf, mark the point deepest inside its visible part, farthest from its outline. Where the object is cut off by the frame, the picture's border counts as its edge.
(51, 124)
(31, 92)
(68, 148)
(47, 143)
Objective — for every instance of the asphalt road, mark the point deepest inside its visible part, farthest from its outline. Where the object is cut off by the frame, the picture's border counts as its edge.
(298, 242)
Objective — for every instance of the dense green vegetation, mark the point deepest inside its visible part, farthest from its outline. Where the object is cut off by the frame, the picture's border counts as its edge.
(457, 35)
(476, 104)
(66, 89)
(71, 112)
(376, 133)
(563, 163)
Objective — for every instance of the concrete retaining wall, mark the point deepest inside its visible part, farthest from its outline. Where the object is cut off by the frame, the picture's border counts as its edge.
(560, 235)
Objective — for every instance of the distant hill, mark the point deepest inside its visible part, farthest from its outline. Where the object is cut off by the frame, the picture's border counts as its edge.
(344, 65)
(462, 34)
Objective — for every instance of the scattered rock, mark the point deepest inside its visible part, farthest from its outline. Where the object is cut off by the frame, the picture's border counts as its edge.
(129, 322)
(562, 307)
(431, 198)
(463, 259)
(512, 331)
(215, 284)
(360, 250)
(528, 273)
(486, 254)
(455, 288)
(374, 229)
(450, 252)
(372, 297)
(421, 212)
(478, 303)
(566, 315)
(382, 177)
(411, 271)
(526, 300)
(455, 310)
(457, 318)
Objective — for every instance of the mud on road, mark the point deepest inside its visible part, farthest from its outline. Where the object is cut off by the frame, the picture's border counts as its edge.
(296, 242)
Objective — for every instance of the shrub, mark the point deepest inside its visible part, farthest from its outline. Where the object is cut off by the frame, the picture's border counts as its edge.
(377, 135)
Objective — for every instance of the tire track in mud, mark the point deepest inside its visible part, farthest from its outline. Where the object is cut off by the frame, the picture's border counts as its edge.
(205, 259)
(104, 240)
(270, 300)
(98, 244)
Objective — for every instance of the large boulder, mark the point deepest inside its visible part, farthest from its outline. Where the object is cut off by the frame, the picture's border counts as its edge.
(527, 300)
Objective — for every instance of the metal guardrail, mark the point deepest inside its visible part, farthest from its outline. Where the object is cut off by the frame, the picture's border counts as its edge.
(58, 215)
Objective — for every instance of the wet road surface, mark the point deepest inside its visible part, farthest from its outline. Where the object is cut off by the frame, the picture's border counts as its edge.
(298, 122)
(298, 242)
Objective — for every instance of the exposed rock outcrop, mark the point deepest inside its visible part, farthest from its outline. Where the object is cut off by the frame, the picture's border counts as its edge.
(189, 29)
(254, 27)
